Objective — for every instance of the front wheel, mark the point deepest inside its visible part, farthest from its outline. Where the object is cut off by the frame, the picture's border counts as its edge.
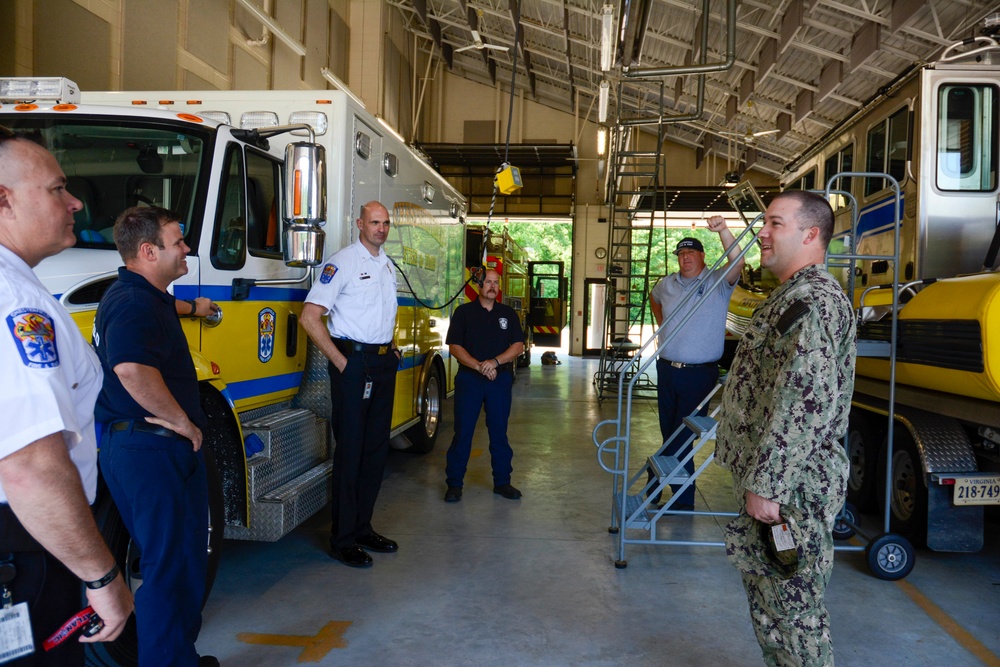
(424, 434)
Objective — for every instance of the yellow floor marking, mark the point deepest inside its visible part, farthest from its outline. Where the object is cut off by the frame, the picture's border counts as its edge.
(314, 648)
(950, 625)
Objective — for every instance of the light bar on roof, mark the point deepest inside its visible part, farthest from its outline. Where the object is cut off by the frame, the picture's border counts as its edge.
(316, 119)
(252, 120)
(39, 89)
(217, 116)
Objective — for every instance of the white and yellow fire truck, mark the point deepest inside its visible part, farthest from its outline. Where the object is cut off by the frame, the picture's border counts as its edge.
(252, 194)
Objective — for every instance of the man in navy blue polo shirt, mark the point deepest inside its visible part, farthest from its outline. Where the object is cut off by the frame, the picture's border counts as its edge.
(150, 452)
(485, 337)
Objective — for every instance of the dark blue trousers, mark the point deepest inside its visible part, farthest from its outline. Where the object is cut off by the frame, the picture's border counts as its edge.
(161, 489)
(361, 427)
(473, 392)
(678, 393)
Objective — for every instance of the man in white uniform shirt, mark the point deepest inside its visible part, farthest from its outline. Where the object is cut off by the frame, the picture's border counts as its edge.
(48, 448)
(357, 291)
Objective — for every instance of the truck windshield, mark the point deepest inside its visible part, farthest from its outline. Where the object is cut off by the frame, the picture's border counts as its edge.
(112, 163)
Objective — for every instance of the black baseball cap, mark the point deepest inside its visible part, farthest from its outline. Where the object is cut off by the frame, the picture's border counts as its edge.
(689, 244)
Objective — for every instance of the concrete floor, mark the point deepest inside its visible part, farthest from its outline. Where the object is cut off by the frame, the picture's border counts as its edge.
(489, 581)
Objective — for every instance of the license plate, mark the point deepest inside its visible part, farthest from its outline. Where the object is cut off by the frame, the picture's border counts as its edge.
(980, 490)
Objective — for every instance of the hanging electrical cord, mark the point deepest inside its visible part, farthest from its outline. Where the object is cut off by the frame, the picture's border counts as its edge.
(479, 273)
(461, 290)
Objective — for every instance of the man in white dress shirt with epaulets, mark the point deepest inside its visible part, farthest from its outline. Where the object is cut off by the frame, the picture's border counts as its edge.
(356, 289)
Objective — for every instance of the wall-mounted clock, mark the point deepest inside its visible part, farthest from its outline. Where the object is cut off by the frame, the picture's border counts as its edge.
(601, 253)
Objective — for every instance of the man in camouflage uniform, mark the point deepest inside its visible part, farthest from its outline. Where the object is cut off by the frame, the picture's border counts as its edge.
(784, 409)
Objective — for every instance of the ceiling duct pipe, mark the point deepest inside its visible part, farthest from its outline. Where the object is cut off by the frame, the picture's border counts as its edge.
(702, 57)
(701, 68)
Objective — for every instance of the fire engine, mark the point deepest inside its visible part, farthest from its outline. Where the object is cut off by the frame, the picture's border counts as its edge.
(254, 175)
(535, 289)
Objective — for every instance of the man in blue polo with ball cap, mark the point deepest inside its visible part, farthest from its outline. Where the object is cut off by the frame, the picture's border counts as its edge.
(687, 368)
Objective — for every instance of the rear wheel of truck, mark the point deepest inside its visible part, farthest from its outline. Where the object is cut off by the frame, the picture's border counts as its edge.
(907, 491)
(862, 451)
(424, 434)
(124, 651)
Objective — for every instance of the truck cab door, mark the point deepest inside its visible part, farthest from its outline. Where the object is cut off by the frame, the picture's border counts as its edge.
(258, 346)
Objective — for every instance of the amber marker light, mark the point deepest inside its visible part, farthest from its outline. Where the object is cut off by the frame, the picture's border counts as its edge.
(64, 107)
(215, 368)
(191, 117)
(25, 107)
(297, 205)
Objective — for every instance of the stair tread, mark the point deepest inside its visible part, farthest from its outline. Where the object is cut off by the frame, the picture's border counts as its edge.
(664, 466)
(286, 490)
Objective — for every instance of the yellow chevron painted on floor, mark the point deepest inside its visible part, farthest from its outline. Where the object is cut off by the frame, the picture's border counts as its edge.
(314, 648)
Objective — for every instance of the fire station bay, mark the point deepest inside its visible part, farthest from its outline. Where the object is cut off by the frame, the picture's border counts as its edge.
(502, 332)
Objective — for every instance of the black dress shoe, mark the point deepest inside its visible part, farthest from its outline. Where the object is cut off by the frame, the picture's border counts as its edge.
(354, 556)
(507, 491)
(208, 661)
(453, 494)
(376, 542)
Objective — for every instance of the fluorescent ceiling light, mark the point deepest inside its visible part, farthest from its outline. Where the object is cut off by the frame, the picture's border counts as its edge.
(607, 37)
(602, 102)
(272, 25)
(602, 140)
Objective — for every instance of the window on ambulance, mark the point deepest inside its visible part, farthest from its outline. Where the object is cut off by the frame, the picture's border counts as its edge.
(967, 131)
(887, 149)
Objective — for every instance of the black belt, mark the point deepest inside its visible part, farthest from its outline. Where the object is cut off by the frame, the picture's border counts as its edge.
(145, 427)
(347, 346)
(678, 364)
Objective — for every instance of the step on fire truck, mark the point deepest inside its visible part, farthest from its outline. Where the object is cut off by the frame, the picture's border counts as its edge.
(251, 174)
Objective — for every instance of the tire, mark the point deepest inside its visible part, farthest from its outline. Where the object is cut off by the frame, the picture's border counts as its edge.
(124, 651)
(890, 557)
(862, 451)
(849, 515)
(424, 434)
(908, 491)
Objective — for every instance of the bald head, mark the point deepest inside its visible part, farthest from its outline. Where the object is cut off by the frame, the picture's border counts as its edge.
(36, 211)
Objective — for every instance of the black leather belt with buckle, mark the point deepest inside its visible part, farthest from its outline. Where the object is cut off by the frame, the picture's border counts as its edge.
(678, 364)
(347, 346)
(145, 427)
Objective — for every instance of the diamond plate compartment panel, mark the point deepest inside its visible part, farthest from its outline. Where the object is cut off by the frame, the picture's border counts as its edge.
(287, 506)
(294, 441)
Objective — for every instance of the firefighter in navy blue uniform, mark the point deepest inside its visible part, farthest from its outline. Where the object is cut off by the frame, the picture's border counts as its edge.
(150, 453)
(485, 337)
(357, 288)
(48, 450)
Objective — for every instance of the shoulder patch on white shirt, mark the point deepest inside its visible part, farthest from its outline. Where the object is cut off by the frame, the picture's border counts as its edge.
(34, 335)
(329, 271)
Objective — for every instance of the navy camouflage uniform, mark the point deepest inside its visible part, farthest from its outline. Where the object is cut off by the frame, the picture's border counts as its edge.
(784, 409)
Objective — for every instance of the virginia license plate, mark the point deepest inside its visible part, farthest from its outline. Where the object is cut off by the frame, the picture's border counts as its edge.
(979, 490)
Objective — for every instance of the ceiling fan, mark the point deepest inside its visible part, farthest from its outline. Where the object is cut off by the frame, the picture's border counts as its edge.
(477, 40)
(748, 137)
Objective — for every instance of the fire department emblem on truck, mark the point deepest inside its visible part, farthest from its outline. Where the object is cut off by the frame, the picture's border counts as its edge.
(265, 335)
(34, 335)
